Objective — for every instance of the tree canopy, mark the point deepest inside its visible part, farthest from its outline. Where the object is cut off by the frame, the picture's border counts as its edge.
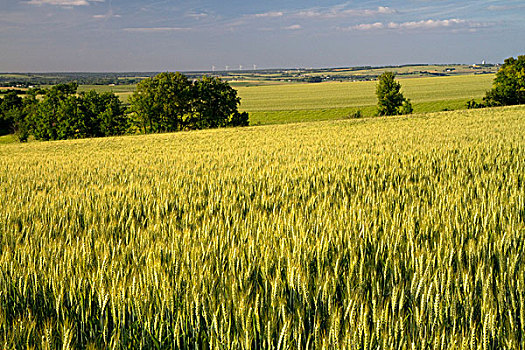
(171, 102)
(9, 105)
(509, 84)
(164, 103)
(64, 114)
(390, 100)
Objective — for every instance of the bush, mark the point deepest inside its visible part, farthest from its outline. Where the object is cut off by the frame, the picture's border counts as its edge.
(472, 104)
(356, 115)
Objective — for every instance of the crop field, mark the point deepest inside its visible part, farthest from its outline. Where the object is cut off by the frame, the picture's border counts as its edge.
(400, 232)
(270, 102)
(122, 91)
(322, 101)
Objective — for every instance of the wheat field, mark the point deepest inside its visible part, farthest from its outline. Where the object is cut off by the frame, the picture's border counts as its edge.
(382, 233)
(277, 104)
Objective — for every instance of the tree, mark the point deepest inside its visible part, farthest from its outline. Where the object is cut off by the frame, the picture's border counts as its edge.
(390, 100)
(509, 84)
(104, 114)
(62, 114)
(56, 117)
(10, 107)
(215, 105)
(162, 103)
(170, 102)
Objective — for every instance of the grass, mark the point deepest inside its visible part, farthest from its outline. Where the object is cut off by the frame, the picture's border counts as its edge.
(122, 91)
(402, 232)
(277, 102)
(324, 101)
(5, 139)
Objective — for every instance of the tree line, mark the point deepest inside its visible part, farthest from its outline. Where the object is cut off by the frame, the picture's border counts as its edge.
(167, 102)
(508, 87)
(172, 102)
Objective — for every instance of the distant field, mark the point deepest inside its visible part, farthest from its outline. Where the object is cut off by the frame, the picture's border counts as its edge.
(273, 102)
(13, 88)
(322, 101)
(122, 91)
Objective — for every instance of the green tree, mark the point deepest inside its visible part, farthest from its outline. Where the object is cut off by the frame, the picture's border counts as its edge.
(23, 126)
(215, 105)
(10, 109)
(104, 114)
(170, 102)
(390, 100)
(509, 84)
(162, 103)
(62, 114)
(56, 116)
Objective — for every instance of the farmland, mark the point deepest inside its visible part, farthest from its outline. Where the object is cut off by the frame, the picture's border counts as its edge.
(282, 95)
(323, 101)
(373, 233)
(277, 102)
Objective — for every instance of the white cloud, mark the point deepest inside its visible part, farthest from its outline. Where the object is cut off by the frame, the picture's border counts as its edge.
(65, 3)
(387, 10)
(366, 26)
(293, 27)
(428, 24)
(338, 11)
(504, 7)
(453, 23)
(157, 29)
(197, 15)
(271, 14)
(106, 16)
(341, 11)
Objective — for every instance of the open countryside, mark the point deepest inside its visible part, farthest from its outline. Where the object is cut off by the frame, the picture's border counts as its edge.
(350, 233)
(295, 102)
(262, 175)
(325, 234)
(303, 102)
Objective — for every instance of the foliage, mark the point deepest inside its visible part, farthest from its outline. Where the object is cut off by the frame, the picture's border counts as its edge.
(390, 100)
(62, 114)
(375, 233)
(473, 104)
(13, 114)
(215, 105)
(171, 102)
(9, 105)
(104, 114)
(509, 84)
(406, 107)
(162, 103)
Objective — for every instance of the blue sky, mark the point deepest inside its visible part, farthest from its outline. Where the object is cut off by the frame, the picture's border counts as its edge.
(130, 35)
